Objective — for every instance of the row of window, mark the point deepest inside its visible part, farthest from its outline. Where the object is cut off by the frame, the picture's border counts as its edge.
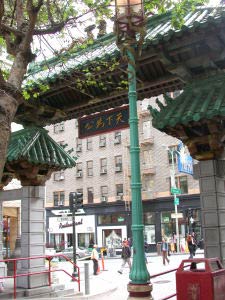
(59, 196)
(90, 168)
(103, 166)
(102, 141)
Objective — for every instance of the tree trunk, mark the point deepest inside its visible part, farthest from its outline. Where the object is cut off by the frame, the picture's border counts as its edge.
(8, 108)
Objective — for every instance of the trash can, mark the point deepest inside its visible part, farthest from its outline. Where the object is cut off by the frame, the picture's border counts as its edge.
(159, 251)
(200, 278)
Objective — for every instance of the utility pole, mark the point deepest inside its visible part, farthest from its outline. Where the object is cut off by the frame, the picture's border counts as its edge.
(175, 191)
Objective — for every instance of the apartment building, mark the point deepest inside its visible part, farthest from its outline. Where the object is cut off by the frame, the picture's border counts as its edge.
(102, 174)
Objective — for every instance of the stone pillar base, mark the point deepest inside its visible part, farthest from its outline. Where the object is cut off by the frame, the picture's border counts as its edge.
(32, 281)
(139, 291)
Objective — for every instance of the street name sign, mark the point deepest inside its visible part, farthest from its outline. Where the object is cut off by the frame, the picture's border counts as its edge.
(175, 191)
(176, 201)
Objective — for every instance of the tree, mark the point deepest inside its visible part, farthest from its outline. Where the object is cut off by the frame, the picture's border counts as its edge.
(24, 28)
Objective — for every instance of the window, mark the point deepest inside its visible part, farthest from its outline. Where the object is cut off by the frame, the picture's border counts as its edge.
(182, 184)
(147, 183)
(90, 168)
(89, 144)
(147, 157)
(117, 137)
(118, 163)
(102, 141)
(59, 176)
(90, 193)
(172, 155)
(149, 218)
(111, 219)
(80, 191)
(103, 165)
(59, 198)
(59, 127)
(104, 193)
(119, 192)
(147, 129)
(79, 172)
(119, 189)
(78, 145)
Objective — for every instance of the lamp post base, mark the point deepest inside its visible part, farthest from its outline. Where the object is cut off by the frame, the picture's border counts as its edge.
(75, 275)
(139, 291)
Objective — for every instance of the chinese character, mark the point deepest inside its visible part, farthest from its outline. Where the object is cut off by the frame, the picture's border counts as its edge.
(110, 118)
(100, 123)
(119, 117)
(88, 126)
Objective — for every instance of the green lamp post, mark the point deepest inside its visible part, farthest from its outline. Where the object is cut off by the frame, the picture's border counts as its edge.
(129, 27)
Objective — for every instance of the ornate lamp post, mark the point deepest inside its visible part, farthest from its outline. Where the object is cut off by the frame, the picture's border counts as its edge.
(129, 27)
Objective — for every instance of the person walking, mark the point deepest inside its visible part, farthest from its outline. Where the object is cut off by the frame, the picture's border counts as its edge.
(164, 249)
(191, 244)
(126, 256)
(94, 257)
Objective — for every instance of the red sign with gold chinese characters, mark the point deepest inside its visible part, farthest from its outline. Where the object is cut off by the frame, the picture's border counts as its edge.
(106, 121)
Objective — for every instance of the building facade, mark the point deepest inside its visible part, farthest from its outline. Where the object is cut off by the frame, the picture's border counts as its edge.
(102, 174)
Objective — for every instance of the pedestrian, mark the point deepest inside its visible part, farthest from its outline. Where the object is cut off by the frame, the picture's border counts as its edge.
(146, 250)
(94, 257)
(164, 249)
(191, 244)
(126, 256)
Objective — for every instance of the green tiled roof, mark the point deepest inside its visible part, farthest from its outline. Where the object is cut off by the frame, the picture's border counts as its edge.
(159, 30)
(37, 147)
(201, 99)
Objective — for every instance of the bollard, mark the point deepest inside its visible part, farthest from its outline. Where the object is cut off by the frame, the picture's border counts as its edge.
(86, 278)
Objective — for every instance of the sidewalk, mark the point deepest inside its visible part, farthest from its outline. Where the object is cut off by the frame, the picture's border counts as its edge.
(110, 283)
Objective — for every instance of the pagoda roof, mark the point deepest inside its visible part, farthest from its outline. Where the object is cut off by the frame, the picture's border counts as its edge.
(197, 116)
(201, 99)
(170, 58)
(35, 146)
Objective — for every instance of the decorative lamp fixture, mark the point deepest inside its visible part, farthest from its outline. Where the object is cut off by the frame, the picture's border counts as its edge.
(129, 15)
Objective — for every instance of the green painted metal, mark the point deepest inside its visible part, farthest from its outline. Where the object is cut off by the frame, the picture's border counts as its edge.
(201, 99)
(139, 273)
(34, 145)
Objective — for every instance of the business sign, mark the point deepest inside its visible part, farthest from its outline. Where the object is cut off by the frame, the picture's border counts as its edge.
(106, 121)
(177, 216)
(184, 160)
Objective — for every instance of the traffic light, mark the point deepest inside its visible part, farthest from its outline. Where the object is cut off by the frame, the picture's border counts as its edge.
(79, 200)
(190, 213)
(75, 200)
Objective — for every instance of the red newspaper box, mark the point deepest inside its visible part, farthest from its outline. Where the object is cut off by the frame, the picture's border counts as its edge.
(200, 278)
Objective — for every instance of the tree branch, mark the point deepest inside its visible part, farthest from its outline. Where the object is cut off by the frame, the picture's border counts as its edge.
(19, 13)
(1, 11)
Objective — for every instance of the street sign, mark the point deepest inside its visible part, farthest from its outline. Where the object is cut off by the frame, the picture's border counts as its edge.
(175, 191)
(177, 216)
(176, 201)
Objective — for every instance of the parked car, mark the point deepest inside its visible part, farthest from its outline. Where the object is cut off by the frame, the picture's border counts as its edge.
(80, 253)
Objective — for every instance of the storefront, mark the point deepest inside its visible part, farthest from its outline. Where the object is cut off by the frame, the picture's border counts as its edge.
(159, 220)
(60, 231)
(11, 226)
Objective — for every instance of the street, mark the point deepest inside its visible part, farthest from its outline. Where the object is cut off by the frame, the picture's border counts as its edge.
(116, 284)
